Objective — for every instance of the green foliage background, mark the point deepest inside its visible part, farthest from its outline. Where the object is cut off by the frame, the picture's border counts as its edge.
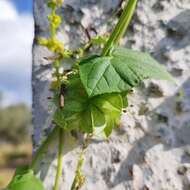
(15, 121)
(15, 141)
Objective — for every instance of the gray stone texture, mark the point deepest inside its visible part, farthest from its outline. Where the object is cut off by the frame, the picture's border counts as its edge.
(150, 150)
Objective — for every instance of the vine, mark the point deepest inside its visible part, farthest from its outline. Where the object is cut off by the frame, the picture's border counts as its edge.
(59, 162)
(91, 95)
(79, 179)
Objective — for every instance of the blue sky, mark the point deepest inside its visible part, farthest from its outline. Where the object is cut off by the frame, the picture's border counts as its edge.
(23, 5)
(16, 36)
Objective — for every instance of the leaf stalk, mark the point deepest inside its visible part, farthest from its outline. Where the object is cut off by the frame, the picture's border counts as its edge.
(120, 27)
(79, 179)
(59, 160)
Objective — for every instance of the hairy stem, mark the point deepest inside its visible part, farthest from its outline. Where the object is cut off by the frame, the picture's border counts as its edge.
(120, 27)
(59, 160)
(79, 179)
(39, 153)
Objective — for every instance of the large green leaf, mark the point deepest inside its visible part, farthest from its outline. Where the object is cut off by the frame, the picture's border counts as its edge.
(24, 179)
(119, 72)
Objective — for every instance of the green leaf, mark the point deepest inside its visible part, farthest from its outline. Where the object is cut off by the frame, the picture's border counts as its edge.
(125, 100)
(142, 64)
(59, 118)
(75, 96)
(119, 72)
(91, 113)
(98, 118)
(24, 179)
(70, 117)
(109, 103)
(110, 123)
(85, 121)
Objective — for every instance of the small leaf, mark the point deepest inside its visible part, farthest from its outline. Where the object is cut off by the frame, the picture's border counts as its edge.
(109, 103)
(119, 72)
(24, 179)
(98, 118)
(85, 122)
(109, 125)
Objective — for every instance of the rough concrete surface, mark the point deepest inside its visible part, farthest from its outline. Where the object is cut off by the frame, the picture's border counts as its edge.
(151, 148)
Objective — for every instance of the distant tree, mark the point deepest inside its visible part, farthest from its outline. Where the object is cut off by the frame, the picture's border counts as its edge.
(15, 122)
(1, 98)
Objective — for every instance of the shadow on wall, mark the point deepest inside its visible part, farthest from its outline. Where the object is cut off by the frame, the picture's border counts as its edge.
(171, 132)
(75, 140)
(178, 37)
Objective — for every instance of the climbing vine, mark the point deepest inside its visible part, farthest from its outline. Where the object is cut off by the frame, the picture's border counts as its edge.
(91, 95)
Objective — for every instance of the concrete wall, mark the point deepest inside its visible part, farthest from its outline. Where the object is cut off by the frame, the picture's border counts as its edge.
(151, 148)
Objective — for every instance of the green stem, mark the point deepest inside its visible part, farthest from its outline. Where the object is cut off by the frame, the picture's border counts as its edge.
(121, 26)
(39, 153)
(59, 160)
(79, 178)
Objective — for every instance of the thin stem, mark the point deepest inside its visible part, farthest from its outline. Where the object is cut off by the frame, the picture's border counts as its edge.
(39, 153)
(59, 160)
(121, 26)
(79, 178)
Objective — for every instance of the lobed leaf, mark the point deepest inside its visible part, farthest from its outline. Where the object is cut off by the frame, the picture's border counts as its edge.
(119, 72)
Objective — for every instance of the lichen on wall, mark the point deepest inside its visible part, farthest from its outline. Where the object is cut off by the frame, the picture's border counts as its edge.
(150, 150)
